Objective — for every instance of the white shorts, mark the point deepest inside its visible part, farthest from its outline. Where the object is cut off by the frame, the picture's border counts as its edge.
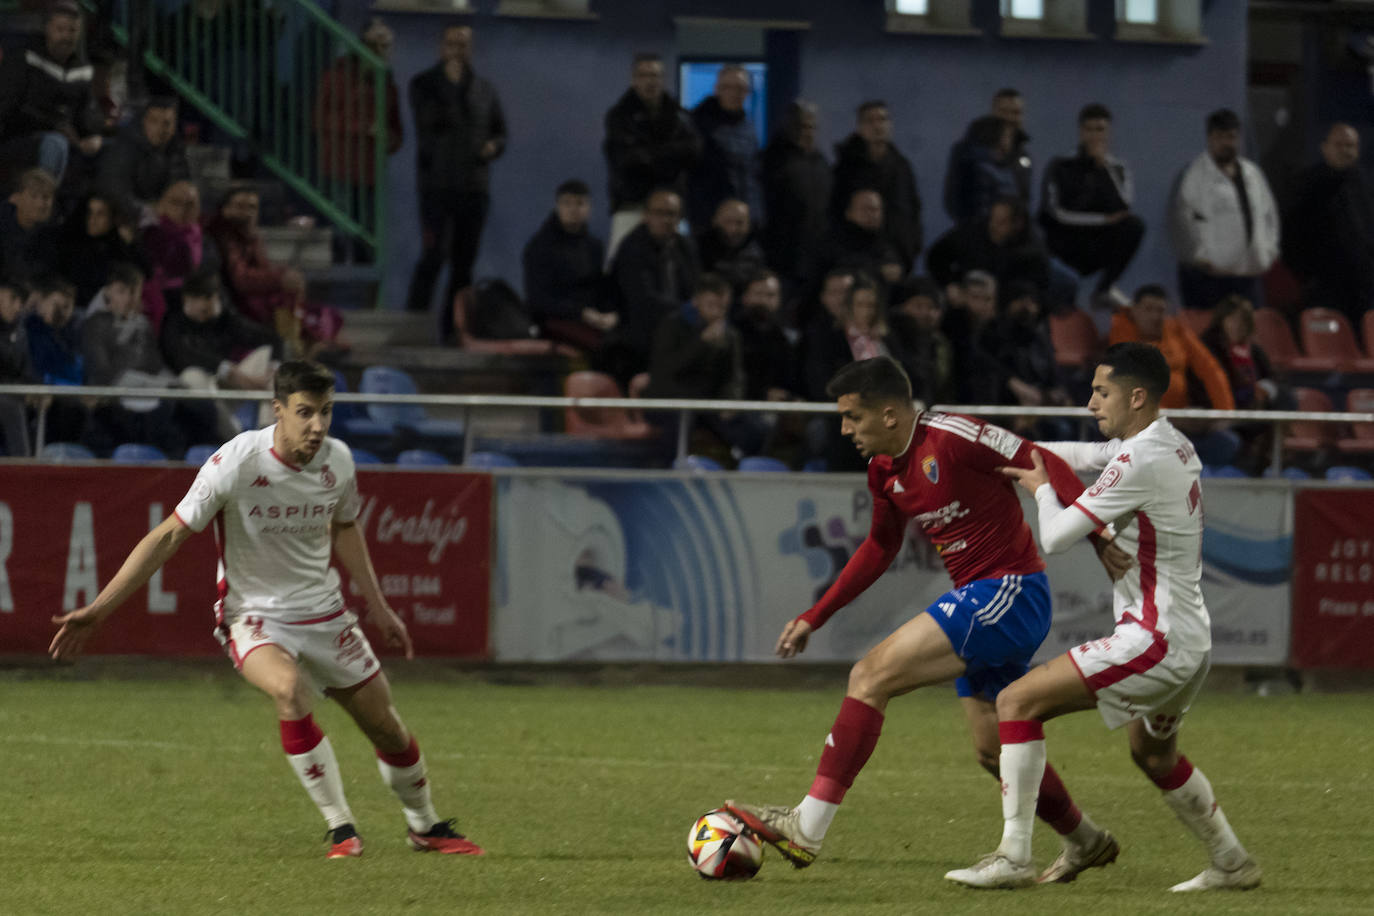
(1136, 674)
(332, 652)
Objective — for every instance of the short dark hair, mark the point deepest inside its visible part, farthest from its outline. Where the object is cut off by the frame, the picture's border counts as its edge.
(124, 273)
(758, 276)
(1138, 365)
(200, 284)
(1006, 92)
(874, 380)
(912, 287)
(301, 375)
(162, 101)
(1150, 289)
(52, 283)
(710, 282)
(17, 289)
(646, 57)
(865, 107)
(575, 186)
(1094, 111)
(1223, 119)
(61, 8)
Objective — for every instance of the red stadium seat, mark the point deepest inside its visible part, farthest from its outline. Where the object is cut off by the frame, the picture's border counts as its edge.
(1361, 439)
(1075, 338)
(1326, 335)
(600, 422)
(1276, 339)
(463, 303)
(1310, 435)
(1195, 320)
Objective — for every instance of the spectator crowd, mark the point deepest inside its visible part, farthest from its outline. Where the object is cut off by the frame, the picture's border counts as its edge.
(730, 271)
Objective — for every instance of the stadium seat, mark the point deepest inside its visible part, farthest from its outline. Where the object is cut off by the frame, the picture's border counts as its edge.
(1195, 320)
(489, 460)
(137, 453)
(1225, 470)
(199, 454)
(1075, 338)
(1217, 447)
(58, 452)
(1361, 438)
(463, 302)
(1295, 474)
(351, 420)
(600, 422)
(816, 466)
(1309, 435)
(247, 415)
(1347, 472)
(421, 457)
(363, 456)
(409, 417)
(762, 463)
(1326, 336)
(696, 463)
(1276, 339)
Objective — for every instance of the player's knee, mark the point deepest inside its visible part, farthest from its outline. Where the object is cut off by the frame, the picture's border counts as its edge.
(865, 680)
(1012, 706)
(1154, 765)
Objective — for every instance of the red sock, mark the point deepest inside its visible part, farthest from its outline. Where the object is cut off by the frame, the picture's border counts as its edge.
(1054, 805)
(1177, 776)
(847, 748)
(299, 736)
(401, 759)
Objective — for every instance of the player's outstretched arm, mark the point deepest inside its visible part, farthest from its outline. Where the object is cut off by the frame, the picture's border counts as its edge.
(155, 549)
(351, 548)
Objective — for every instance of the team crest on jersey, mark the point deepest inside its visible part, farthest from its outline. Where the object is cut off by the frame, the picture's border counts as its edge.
(1109, 479)
(327, 478)
(931, 467)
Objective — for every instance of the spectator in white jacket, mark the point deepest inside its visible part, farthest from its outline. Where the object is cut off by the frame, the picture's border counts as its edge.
(1225, 221)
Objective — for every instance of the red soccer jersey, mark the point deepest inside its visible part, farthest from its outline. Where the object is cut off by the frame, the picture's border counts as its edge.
(948, 481)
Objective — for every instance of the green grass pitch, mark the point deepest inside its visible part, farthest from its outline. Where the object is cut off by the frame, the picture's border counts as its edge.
(170, 795)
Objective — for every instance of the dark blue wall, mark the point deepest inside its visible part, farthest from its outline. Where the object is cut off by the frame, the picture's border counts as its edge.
(557, 78)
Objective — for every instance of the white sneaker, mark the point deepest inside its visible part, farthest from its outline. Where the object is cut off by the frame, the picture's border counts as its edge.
(1244, 878)
(1072, 861)
(994, 870)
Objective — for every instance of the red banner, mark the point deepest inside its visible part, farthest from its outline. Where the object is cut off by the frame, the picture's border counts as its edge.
(1333, 579)
(64, 532)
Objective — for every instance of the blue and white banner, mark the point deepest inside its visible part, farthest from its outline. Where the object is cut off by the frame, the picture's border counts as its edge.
(693, 568)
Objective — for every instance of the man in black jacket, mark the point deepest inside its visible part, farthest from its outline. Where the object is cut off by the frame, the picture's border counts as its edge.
(564, 286)
(460, 129)
(868, 159)
(653, 273)
(16, 368)
(1086, 209)
(650, 143)
(1328, 238)
(46, 104)
(796, 192)
(144, 160)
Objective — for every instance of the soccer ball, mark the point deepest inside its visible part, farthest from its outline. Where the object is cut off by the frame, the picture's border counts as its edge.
(719, 846)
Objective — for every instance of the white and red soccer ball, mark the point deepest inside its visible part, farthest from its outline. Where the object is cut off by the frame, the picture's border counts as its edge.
(721, 846)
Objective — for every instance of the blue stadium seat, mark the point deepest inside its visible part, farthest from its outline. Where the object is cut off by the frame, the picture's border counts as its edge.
(1218, 447)
(351, 420)
(696, 463)
(1347, 472)
(247, 415)
(490, 460)
(1225, 470)
(136, 453)
(761, 463)
(1290, 473)
(363, 456)
(58, 452)
(421, 457)
(386, 380)
(816, 466)
(199, 454)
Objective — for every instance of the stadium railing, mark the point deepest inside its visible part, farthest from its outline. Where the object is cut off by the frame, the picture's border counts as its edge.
(473, 404)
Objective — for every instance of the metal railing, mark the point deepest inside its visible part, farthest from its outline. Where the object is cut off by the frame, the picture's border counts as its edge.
(303, 91)
(471, 405)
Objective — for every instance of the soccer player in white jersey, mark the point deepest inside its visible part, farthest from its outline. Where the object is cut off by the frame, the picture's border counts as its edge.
(283, 500)
(1146, 674)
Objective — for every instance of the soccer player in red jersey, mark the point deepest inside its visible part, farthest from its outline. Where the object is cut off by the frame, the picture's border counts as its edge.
(283, 502)
(942, 470)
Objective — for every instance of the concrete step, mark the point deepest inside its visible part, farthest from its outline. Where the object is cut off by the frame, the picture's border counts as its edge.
(373, 331)
(208, 162)
(305, 247)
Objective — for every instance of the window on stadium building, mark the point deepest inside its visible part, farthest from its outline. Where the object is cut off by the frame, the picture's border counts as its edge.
(930, 17)
(1173, 21)
(546, 9)
(1045, 19)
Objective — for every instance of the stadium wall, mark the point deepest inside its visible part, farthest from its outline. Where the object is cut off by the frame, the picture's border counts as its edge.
(557, 78)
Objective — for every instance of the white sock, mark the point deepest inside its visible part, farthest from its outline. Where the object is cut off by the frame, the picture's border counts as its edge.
(1196, 806)
(318, 771)
(814, 817)
(1022, 766)
(1084, 835)
(411, 786)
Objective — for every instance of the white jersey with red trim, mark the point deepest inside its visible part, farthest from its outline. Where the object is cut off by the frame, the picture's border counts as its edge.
(1148, 492)
(272, 525)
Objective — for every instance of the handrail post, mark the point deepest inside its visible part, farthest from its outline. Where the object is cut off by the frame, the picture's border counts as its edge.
(1276, 450)
(40, 428)
(684, 425)
(468, 434)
